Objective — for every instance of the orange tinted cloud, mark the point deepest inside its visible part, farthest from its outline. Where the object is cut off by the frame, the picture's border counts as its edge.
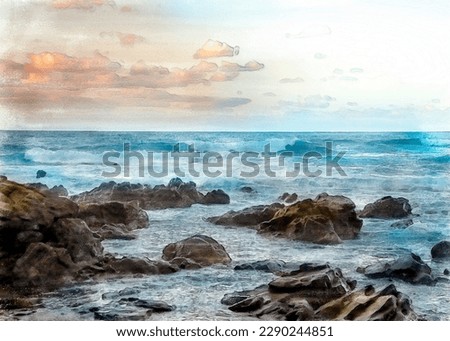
(129, 39)
(125, 39)
(54, 80)
(58, 69)
(213, 49)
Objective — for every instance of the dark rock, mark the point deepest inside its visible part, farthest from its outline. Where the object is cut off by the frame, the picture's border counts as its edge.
(288, 198)
(44, 266)
(40, 174)
(201, 249)
(60, 190)
(247, 189)
(249, 217)
(185, 263)
(214, 197)
(76, 237)
(176, 194)
(441, 250)
(154, 306)
(248, 304)
(175, 182)
(114, 231)
(128, 216)
(319, 292)
(409, 268)
(368, 305)
(387, 208)
(325, 220)
(130, 309)
(24, 208)
(136, 266)
(402, 224)
(267, 265)
(446, 272)
(44, 244)
(319, 283)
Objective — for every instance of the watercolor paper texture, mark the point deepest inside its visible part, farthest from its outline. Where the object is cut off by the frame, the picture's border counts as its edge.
(177, 112)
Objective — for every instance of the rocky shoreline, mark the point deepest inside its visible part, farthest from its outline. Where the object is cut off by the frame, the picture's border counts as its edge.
(49, 240)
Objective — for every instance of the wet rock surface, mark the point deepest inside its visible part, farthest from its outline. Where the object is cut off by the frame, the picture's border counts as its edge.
(441, 250)
(324, 220)
(387, 208)
(248, 217)
(198, 249)
(320, 292)
(268, 265)
(409, 268)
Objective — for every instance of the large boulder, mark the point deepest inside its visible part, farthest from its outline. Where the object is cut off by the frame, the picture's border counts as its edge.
(409, 268)
(319, 292)
(441, 250)
(325, 220)
(44, 243)
(249, 217)
(200, 249)
(176, 194)
(387, 208)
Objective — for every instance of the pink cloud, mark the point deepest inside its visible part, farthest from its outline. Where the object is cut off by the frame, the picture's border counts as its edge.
(213, 49)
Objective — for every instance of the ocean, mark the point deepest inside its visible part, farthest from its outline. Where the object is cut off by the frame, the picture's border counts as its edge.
(362, 166)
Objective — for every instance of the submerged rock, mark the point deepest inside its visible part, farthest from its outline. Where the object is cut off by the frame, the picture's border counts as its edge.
(402, 224)
(200, 249)
(441, 250)
(249, 217)
(325, 220)
(41, 174)
(176, 194)
(387, 208)
(409, 268)
(320, 292)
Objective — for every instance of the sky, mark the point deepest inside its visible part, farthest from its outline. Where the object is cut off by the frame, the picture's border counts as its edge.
(312, 65)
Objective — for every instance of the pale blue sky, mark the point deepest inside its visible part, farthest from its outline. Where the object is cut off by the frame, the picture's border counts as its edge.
(300, 65)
